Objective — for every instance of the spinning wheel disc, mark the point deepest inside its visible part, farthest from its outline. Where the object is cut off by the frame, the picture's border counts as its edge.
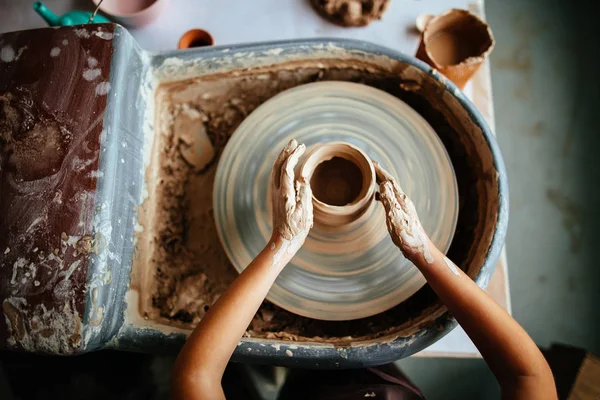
(355, 271)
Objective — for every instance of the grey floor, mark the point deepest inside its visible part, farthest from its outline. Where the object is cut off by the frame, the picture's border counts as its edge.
(547, 94)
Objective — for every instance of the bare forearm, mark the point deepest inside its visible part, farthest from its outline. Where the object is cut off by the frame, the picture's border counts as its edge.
(203, 359)
(200, 365)
(512, 356)
(506, 347)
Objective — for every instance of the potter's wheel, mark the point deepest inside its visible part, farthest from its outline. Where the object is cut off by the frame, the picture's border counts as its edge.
(356, 271)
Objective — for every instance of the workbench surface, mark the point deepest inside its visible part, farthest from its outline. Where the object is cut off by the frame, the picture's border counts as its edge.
(267, 20)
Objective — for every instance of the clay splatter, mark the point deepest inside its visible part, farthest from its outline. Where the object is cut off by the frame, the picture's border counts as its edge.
(102, 88)
(91, 74)
(65, 42)
(451, 265)
(104, 35)
(92, 62)
(7, 54)
(82, 33)
(52, 331)
(55, 52)
(21, 50)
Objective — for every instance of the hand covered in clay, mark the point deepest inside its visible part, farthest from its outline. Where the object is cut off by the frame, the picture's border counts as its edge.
(292, 198)
(401, 216)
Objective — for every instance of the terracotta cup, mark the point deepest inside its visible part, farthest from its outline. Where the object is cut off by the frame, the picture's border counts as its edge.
(342, 179)
(195, 38)
(132, 13)
(456, 43)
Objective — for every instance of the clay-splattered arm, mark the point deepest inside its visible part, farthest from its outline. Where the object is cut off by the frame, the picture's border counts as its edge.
(200, 365)
(511, 354)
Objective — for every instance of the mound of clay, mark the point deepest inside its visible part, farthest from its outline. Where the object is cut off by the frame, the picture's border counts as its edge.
(351, 12)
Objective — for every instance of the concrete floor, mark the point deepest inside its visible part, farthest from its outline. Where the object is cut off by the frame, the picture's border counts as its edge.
(546, 93)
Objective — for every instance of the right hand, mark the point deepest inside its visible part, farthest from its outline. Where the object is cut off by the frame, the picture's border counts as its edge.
(402, 220)
(292, 198)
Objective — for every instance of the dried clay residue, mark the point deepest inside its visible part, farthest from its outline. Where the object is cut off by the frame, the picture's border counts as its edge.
(188, 269)
(50, 125)
(33, 147)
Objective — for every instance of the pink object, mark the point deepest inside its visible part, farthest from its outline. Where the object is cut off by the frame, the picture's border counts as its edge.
(132, 13)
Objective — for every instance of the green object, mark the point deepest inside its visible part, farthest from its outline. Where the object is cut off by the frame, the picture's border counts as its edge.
(70, 18)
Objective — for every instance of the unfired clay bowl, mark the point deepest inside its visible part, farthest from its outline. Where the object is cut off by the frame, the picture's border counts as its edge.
(342, 178)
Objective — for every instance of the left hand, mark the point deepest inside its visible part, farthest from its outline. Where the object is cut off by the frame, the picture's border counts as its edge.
(292, 198)
(402, 220)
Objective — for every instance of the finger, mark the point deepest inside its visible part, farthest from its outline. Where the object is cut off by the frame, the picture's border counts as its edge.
(392, 209)
(381, 174)
(305, 197)
(287, 176)
(304, 205)
(304, 192)
(276, 172)
(387, 195)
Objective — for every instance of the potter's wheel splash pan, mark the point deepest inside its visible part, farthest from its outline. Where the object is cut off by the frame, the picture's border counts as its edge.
(109, 312)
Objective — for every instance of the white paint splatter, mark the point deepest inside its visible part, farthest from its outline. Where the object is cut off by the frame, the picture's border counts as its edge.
(289, 353)
(65, 42)
(36, 283)
(92, 62)
(272, 246)
(452, 267)
(102, 88)
(7, 250)
(91, 73)
(7, 54)
(55, 52)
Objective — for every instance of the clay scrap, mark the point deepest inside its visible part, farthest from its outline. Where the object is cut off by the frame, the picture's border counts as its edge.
(456, 43)
(351, 13)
